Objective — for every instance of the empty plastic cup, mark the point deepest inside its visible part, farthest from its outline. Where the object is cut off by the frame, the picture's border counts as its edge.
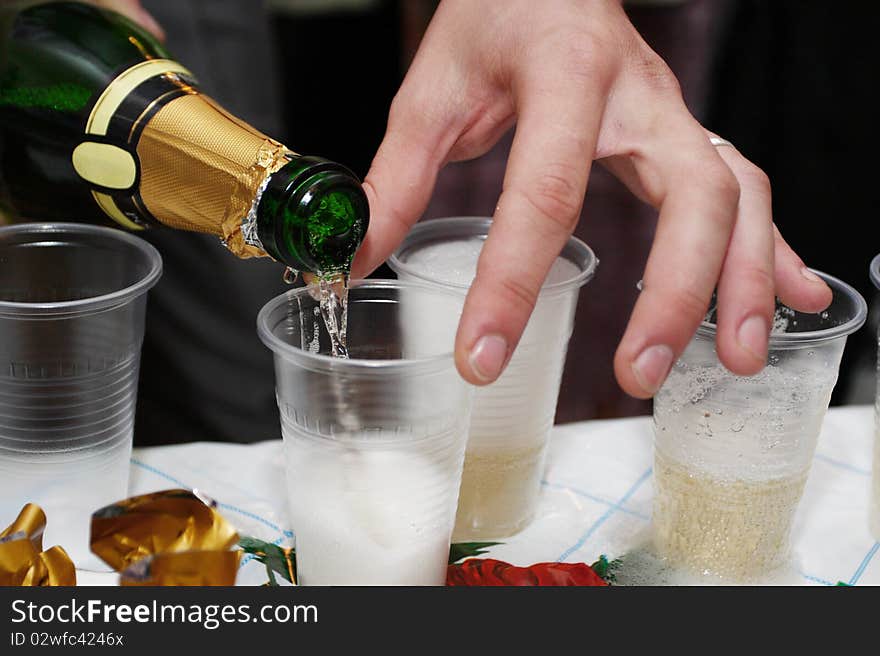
(875, 476)
(512, 417)
(72, 303)
(732, 453)
(373, 444)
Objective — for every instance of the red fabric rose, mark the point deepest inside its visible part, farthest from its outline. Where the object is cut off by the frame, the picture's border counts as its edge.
(486, 571)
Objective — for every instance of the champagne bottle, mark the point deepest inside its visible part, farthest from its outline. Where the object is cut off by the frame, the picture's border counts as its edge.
(99, 123)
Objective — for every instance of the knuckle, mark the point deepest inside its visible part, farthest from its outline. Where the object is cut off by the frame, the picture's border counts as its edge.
(584, 48)
(656, 74)
(399, 222)
(400, 107)
(755, 179)
(759, 280)
(413, 107)
(556, 197)
(587, 57)
(687, 302)
(519, 295)
(720, 181)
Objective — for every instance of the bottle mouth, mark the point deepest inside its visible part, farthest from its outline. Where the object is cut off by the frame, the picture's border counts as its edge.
(323, 219)
(333, 207)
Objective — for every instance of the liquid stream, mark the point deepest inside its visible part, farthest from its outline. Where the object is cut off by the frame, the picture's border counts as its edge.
(331, 292)
(333, 295)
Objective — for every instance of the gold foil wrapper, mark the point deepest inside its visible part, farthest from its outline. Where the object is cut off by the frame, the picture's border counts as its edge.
(201, 168)
(174, 537)
(184, 568)
(22, 559)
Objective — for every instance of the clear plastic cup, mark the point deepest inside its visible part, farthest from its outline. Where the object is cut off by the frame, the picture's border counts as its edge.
(72, 304)
(511, 418)
(373, 444)
(874, 511)
(732, 453)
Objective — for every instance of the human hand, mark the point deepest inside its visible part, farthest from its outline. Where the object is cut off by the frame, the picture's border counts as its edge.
(133, 10)
(581, 84)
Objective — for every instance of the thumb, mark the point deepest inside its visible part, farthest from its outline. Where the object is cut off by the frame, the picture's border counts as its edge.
(402, 177)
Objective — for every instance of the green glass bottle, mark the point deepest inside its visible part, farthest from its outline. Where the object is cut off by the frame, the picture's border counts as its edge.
(99, 123)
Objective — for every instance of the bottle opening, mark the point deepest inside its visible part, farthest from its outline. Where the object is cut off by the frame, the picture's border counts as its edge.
(313, 216)
(334, 212)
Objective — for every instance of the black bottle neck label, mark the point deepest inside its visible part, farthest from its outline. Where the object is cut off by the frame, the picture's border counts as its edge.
(107, 157)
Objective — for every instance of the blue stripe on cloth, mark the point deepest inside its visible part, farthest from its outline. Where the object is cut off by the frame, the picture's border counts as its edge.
(843, 465)
(864, 564)
(593, 497)
(235, 509)
(816, 579)
(604, 518)
(161, 474)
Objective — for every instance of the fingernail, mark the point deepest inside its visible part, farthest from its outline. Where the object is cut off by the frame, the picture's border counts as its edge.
(809, 275)
(651, 367)
(488, 356)
(753, 335)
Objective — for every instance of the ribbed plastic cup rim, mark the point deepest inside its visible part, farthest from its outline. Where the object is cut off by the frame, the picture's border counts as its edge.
(806, 338)
(57, 309)
(472, 226)
(875, 271)
(326, 363)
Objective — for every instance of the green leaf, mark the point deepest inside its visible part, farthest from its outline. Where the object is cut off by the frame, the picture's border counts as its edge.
(278, 560)
(606, 569)
(461, 550)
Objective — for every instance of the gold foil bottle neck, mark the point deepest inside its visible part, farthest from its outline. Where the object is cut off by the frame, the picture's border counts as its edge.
(185, 161)
(201, 168)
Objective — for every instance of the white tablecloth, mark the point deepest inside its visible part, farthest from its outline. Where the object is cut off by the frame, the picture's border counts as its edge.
(595, 498)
